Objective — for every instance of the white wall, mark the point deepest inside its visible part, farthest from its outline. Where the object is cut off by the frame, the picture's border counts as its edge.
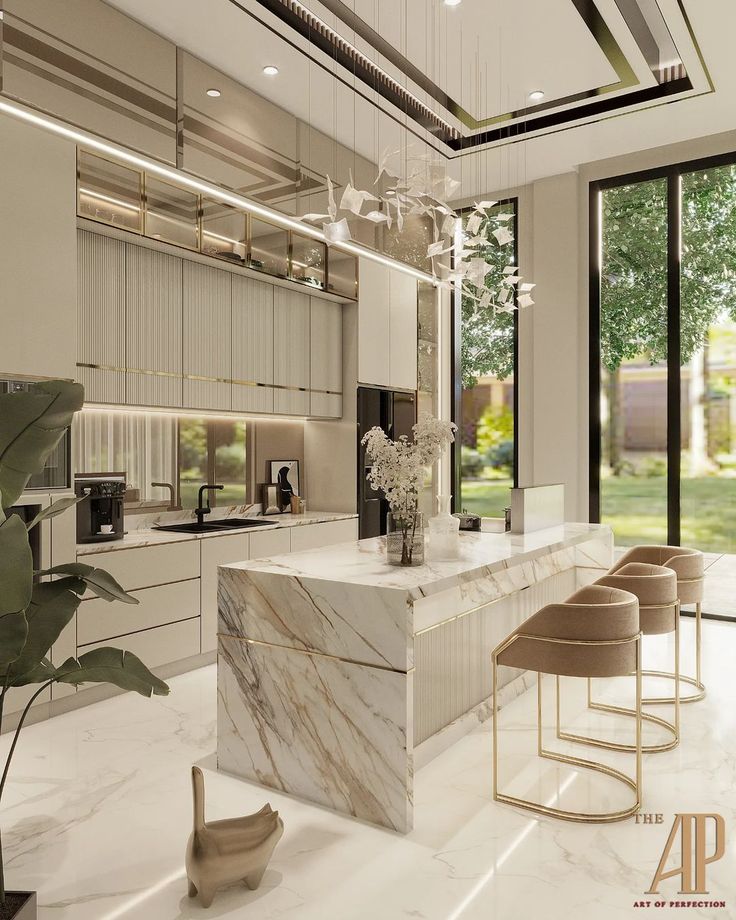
(38, 252)
(550, 374)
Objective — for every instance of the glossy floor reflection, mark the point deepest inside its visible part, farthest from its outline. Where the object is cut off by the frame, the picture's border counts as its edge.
(99, 808)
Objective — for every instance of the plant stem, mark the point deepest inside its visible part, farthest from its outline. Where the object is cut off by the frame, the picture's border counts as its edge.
(2, 706)
(17, 733)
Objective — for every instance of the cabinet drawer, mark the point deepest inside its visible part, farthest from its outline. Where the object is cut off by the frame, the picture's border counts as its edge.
(149, 565)
(217, 551)
(158, 646)
(98, 620)
(312, 536)
(270, 543)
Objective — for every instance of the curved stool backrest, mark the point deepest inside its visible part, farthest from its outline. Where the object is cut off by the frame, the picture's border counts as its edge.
(687, 564)
(592, 634)
(655, 586)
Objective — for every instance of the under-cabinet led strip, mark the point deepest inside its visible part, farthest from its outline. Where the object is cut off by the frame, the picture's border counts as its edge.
(91, 142)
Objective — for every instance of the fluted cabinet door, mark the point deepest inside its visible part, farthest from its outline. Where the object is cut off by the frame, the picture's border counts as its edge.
(291, 351)
(325, 335)
(207, 337)
(373, 324)
(101, 317)
(153, 328)
(403, 330)
(252, 345)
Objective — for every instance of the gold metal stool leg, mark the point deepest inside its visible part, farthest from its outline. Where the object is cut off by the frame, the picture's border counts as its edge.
(672, 727)
(634, 783)
(696, 681)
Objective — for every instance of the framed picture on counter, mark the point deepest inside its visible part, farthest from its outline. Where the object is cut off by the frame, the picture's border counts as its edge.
(271, 498)
(285, 473)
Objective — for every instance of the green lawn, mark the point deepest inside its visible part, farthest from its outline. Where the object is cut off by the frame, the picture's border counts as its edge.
(637, 511)
(636, 508)
(485, 497)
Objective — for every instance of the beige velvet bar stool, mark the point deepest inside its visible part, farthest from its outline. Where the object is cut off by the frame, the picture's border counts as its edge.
(655, 587)
(595, 633)
(688, 565)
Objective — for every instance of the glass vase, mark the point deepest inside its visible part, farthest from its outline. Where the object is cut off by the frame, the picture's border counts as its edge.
(405, 538)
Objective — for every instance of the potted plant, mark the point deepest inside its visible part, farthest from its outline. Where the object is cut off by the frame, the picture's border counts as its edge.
(33, 612)
(398, 470)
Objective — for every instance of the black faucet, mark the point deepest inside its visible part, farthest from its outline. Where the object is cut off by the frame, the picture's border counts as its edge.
(200, 510)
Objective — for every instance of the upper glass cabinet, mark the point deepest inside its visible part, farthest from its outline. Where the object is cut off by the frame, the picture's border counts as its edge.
(308, 260)
(223, 232)
(172, 214)
(269, 248)
(342, 273)
(132, 200)
(109, 192)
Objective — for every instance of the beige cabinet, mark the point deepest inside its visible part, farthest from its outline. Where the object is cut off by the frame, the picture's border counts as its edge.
(373, 324)
(270, 543)
(153, 328)
(207, 314)
(252, 345)
(312, 536)
(291, 351)
(146, 566)
(403, 330)
(325, 346)
(101, 317)
(163, 331)
(219, 550)
(387, 327)
(159, 646)
(100, 620)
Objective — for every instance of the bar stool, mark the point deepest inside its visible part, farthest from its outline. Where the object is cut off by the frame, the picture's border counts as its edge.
(655, 587)
(595, 633)
(688, 565)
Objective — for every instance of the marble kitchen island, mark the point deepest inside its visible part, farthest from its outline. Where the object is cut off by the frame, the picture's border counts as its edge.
(337, 673)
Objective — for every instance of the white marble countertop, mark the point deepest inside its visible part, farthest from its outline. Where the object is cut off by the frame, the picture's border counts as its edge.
(364, 562)
(151, 537)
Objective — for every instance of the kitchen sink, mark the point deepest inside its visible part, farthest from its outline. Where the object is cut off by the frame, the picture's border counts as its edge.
(212, 526)
(240, 522)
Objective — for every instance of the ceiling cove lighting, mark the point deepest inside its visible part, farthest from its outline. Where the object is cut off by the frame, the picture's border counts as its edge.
(536, 95)
(214, 93)
(270, 70)
(90, 142)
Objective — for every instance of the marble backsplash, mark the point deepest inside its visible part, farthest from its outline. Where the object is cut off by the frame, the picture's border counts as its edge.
(144, 521)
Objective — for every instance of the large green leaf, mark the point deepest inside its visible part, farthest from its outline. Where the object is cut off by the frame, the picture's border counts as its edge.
(16, 566)
(56, 508)
(16, 586)
(31, 425)
(112, 666)
(97, 580)
(53, 605)
(41, 674)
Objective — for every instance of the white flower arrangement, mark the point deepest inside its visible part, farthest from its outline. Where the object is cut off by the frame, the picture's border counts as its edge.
(399, 466)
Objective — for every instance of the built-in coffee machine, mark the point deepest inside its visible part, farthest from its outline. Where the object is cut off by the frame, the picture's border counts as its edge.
(100, 514)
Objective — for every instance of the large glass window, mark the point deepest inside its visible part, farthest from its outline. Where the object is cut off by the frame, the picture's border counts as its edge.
(663, 464)
(486, 419)
(708, 358)
(212, 451)
(633, 346)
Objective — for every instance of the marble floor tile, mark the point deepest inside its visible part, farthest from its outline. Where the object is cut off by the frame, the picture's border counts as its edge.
(98, 811)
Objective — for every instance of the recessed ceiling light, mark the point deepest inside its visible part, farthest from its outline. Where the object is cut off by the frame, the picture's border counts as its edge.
(453, 2)
(214, 93)
(270, 70)
(536, 95)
